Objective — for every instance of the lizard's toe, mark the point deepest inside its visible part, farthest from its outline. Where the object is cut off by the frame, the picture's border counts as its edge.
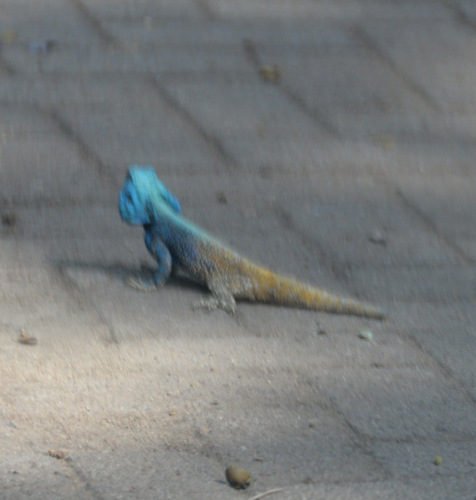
(141, 283)
(214, 303)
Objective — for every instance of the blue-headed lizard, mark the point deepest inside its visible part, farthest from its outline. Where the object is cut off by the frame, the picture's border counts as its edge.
(175, 242)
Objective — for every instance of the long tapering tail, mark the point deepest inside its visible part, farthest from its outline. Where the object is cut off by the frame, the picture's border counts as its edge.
(270, 287)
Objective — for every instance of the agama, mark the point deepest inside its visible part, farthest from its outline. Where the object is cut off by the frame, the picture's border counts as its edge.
(176, 242)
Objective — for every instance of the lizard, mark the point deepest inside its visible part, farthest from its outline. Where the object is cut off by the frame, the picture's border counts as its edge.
(177, 243)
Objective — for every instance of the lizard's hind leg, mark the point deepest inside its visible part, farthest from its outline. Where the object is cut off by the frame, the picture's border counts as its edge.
(221, 298)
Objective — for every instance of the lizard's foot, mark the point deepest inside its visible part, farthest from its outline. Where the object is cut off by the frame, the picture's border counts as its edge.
(142, 282)
(221, 298)
(214, 303)
(146, 280)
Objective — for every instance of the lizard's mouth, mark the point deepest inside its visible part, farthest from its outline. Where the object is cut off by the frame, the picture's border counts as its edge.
(120, 204)
(127, 211)
(123, 211)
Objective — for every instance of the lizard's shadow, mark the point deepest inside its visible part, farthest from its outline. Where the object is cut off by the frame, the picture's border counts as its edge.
(117, 271)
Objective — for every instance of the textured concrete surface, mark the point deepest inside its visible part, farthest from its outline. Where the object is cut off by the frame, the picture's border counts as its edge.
(333, 140)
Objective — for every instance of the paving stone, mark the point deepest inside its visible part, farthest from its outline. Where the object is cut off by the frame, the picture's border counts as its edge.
(124, 58)
(404, 460)
(452, 347)
(383, 157)
(242, 109)
(152, 475)
(20, 120)
(25, 150)
(423, 284)
(403, 9)
(399, 159)
(467, 9)
(449, 203)
(400, 403)
(447, 336)
(451, 129)
(266, 155)
(426, 489)
(143, 10)
(219, 432)
(46, 20)
(37, 475)
(302, 9)
(377, 102)
(49, 91)
(251, 114)
(374, 229)
(141, 131)
(224, 34)
(435, 54)
(32, 296)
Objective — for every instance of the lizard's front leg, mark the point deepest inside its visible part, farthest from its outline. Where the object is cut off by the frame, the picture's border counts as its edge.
(148, 280)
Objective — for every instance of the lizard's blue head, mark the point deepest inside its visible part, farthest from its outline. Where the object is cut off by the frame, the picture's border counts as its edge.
(143, 196)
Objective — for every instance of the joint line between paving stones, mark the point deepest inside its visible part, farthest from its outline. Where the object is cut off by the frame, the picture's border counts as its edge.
(361, 441)
(428, 223)
(253, 58)
(45, 202)
(314, 114)
(68, 462)
(96, 25)
(71, 286)
(431, 227)
(360, 34)
(425, 220)
(204, 6)
(461, 16)
(437, 365)
(322, 255)
(67, 130)
(9, 70)
(211, 141)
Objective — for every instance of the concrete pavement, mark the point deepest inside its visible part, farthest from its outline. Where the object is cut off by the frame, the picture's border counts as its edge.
(330, 140)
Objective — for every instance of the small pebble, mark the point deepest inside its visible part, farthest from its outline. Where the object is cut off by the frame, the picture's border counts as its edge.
(365, 335)
(8, 219)
(238, 477)
(58, 454)
(270, 73)
(221, 197)
(43, 46)
(25, 339)
(377, 237)
(384, 141)
(9, 36)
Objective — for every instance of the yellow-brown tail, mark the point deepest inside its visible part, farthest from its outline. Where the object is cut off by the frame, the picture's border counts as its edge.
(270, 287)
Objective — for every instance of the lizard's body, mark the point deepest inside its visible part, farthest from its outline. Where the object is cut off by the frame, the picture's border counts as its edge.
(176, 242)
